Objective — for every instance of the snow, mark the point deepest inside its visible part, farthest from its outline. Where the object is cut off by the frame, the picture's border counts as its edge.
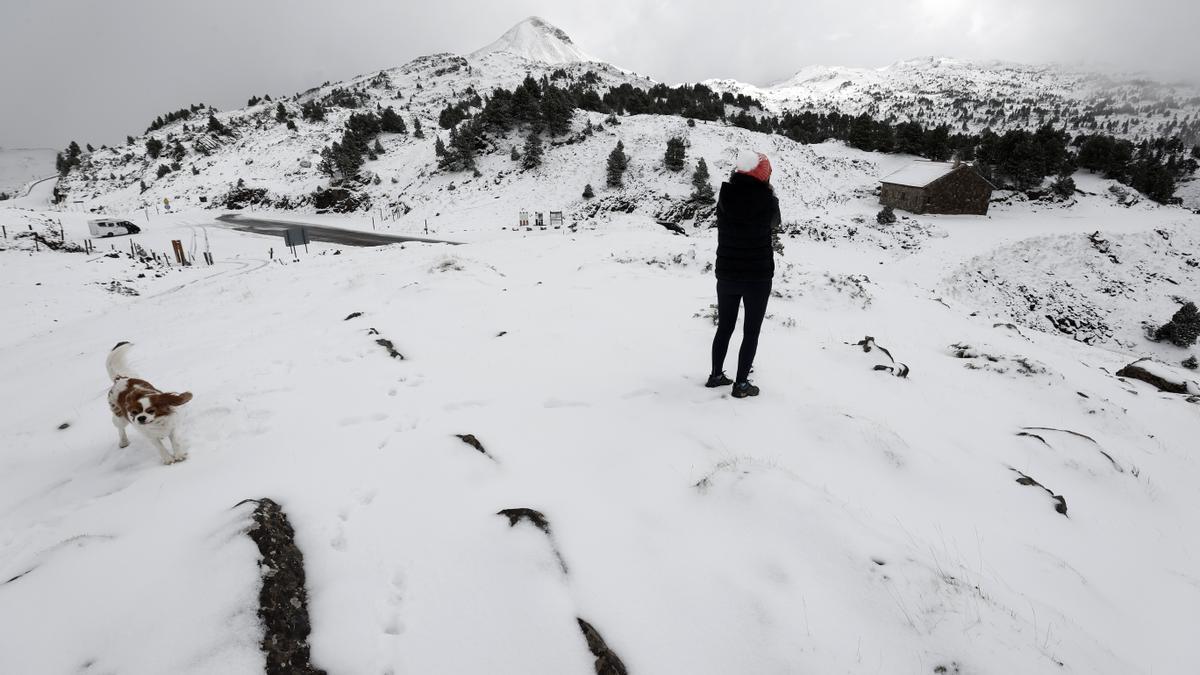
(536, 40)
(701, 534)
(920, 173)
(845, 521)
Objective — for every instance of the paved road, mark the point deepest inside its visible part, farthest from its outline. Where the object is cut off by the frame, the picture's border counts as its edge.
(333, 235)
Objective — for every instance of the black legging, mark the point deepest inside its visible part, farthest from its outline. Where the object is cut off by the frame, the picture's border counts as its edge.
(729, 295)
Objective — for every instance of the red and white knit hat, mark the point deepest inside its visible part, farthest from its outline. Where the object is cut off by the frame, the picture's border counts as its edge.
(754, 164)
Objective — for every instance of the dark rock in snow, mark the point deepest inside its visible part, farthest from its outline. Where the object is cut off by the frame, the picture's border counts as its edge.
(1138, 371)
(353, 315)
(898, 369)
(470, 440)
(1060, 502)
(538, 520)
(391, 348)
(64, 425)
(607, 661)
(534, 517)
(282, 600)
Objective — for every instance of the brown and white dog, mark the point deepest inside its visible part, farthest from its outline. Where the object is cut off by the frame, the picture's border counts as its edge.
(149, 410)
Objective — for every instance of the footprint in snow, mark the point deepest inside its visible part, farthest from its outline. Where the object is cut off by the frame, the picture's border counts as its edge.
(562, 403)
(392, 625)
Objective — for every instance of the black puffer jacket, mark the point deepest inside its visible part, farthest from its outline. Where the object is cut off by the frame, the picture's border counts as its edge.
(747, 214)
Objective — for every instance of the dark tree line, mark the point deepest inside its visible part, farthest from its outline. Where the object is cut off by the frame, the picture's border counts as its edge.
(347, 157)
(1018, 158)
(69, 159)
(181, 114)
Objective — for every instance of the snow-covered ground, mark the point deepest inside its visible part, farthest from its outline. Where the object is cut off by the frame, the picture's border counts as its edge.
(844, 521)
(1012, 506)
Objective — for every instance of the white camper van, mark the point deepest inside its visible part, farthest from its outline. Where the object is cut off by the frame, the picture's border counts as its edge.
(111, 227)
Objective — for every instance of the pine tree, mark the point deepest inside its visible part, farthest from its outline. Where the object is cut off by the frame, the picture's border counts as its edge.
(702, 191)
(61, 163)
(90, 148)
(215, 126)
(177, 151)
(153, 147)
(464, 144)
(392, 123)
(163, 170)
(291, 125)
(439, 148)
(280, 113)
(557, 111)
(673, 159)
(417, 131)
(514, 155)
(312, 111)
(533, 151)
(617, 163)
(587, 191)
(377, 148)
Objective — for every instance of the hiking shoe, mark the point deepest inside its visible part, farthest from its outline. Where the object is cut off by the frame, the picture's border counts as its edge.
(744, 389)
(717, 380)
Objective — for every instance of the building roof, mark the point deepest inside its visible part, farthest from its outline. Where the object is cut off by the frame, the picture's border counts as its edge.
(920, 173)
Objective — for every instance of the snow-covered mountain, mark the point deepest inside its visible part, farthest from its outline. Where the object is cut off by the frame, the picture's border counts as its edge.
(265, 155)
(972, 96)
(536, 40)
(499, 457)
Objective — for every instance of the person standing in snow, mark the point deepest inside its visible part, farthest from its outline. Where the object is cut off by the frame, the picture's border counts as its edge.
(747, 215)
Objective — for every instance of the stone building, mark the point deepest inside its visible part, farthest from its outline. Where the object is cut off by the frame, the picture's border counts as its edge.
(937, 187)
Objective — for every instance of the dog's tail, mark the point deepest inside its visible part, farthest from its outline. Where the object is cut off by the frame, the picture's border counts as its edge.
(116, 364)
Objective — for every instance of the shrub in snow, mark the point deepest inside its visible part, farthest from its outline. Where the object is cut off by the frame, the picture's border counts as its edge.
(587, 191)
(617, 163)
(673, 159)
(886, 216)
(153, 147)
(702, 191)
(1183, 328)
(163, 170)
(1063, 186)
(1190, 363)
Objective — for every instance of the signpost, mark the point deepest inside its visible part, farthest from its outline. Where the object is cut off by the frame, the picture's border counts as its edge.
(296, 236)
(177, 247)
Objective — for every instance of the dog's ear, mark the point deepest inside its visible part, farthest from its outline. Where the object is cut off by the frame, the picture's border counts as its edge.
(175, 400)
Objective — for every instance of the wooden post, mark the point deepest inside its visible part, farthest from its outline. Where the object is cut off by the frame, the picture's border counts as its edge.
(5, 229)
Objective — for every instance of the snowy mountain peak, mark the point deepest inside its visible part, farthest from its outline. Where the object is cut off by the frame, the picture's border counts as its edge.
(537, 40)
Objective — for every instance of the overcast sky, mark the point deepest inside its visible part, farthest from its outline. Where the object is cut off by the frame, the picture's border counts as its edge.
(96, 70)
